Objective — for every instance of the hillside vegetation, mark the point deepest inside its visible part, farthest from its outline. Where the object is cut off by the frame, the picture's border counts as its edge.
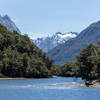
(19, 57)
(87, 65)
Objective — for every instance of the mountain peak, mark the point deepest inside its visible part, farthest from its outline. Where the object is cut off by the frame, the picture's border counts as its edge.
(49, 42)
(6, 17)
(95, 24)
(58, 33)
(8, 23)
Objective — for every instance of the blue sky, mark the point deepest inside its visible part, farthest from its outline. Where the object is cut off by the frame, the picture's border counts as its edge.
(42, 17)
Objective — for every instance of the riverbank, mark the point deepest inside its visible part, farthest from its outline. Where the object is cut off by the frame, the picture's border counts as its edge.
(73, 84)
(8, 78)
(81, 84)
(96, 84)
(15, 78)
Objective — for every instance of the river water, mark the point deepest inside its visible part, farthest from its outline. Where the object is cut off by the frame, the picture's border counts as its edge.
(46, 89)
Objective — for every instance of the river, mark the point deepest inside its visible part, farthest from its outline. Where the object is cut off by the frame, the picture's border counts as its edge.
(46, 89)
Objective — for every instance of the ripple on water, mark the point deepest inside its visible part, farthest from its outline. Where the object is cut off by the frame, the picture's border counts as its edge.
(46, 89)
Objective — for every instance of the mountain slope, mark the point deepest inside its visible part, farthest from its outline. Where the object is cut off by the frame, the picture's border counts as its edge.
(7, 22)
(48, 43)
(19, 57)
(67, 51)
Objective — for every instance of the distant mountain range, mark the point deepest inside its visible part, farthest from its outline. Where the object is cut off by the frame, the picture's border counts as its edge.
(67, 51)
(8, 23)
(49, 42)
(62, 47)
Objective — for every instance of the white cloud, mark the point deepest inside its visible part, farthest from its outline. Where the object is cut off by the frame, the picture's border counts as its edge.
(37, 35)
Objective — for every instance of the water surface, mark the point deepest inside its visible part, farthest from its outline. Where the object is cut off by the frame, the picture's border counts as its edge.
(46, 89)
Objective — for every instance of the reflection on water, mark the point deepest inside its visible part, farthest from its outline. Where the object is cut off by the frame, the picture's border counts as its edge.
(46, 89)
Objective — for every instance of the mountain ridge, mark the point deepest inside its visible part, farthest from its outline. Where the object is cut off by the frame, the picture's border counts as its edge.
(49, 42)
(68, 51)
(8, 23)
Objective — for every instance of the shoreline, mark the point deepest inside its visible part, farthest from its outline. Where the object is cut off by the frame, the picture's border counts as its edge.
(22, 78)
(82, 84)
(15, 78)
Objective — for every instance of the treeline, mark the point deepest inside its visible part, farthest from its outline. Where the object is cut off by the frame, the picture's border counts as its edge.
(19, 57)
(86, 66)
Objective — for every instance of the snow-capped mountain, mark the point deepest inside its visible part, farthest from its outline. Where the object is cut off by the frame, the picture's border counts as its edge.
(49, 42)
(8, 23)
(68, 51)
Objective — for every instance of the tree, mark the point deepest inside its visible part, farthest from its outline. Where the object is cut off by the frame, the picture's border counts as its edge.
(88, 62)
(19, 57)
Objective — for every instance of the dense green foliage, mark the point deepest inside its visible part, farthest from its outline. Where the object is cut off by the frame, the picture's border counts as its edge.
(67, 70)
(19, 57)
(87, 65)
(89, 62)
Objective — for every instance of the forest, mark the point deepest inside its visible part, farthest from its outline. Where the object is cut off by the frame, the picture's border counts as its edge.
(87, 65)
(19, 57)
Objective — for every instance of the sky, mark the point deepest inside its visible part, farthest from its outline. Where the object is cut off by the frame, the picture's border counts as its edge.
(38, 18)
